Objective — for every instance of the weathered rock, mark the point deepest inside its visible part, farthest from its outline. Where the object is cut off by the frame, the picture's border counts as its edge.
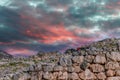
(16, 76)
(89, 58)
(110, 73)
(93, 52)
(65, 61)
(97, 68)
(77, 59)
(5, 78)
(115, 56)
(70, 69)
(84, 65)
(39, 75)
(47, 76)
(73, 76)
(39, 67)
(68, 51)
(62, 76)
(100, 59)
(82, 52)
(34, 76)
(97, 61)
(48, 67)
(114, 78)
(58, 68)
(25, 76)
(2, 78)
(117, 72)
(119, 44)
(75, 53)
(101, 76)
(31, 68)
(87, 75)
(112, 65)
(77, 69)
(55, 75)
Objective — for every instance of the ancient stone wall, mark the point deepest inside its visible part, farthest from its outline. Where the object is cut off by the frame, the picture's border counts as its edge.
(97, 61)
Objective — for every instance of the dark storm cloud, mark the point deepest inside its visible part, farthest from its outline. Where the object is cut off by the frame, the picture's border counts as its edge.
(9, 26)
(82, 12)
(78, 15)
(52, 24)
(9, 35)
(111, 24)
(65, 2)
(59, 2)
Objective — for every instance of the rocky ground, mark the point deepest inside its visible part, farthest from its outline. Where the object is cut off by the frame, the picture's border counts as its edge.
(97, 61)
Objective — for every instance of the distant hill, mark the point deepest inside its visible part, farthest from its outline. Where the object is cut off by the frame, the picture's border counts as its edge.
(20, 55)
(5, 55)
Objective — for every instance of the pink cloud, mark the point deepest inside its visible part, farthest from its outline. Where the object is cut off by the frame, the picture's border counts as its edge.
(15, 51)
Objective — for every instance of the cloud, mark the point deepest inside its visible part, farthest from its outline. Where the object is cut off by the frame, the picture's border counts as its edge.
(9, 26)
(56, 24)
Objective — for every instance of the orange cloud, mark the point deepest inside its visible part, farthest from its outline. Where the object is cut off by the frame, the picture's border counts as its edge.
(15, 51)
(47, 33)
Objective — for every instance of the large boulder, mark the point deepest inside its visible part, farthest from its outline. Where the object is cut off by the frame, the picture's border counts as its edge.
(97, 68)
(89, 58)
(73, 76)
(70, 69)
(77, 59)
(112, 65)
(87, 75)
(110, 73)
(101, 76)
(48, 67)
(100, 59)
(65, 61)
(77, 69)
(117, 72)
(72, 52)
(47, 76)
(62, 76)
(114, 56)
(58, 68)
(84, 65)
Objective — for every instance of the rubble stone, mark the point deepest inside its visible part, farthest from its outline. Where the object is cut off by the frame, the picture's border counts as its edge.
(115, 56)
(58, 68)
(87, 75)
(97, 68)
(117, 72)
(113, 78)
(62, 76)
(65, 61)
(73, 76)
(112, 65)
(99, 59)
(101, 76)
(110, 73)
(77, 59)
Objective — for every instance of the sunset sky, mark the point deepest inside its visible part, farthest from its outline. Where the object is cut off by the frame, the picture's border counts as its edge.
(29, 26)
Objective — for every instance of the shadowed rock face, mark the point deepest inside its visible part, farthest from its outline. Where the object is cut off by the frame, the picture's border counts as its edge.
(5, 55)
(97, 61)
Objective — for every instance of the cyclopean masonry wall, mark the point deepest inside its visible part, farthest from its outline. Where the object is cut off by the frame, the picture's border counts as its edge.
(97, 61)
